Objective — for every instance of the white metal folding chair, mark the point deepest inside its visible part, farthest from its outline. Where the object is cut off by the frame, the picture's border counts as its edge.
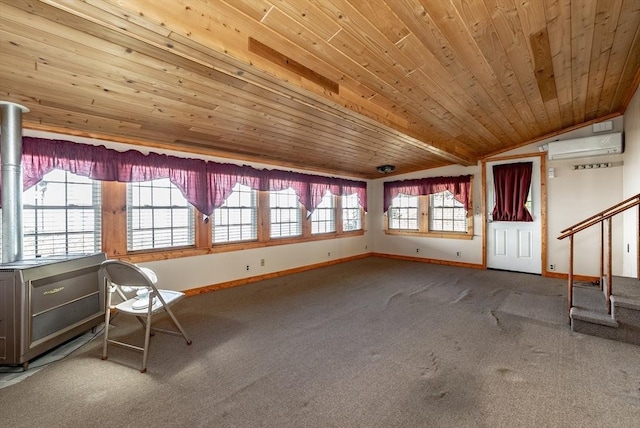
(125, 279)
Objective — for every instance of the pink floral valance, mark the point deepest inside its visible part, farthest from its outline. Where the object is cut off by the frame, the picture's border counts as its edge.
(205, 184)
(459, 186)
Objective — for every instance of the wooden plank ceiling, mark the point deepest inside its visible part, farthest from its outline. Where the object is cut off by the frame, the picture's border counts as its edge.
(334, 86)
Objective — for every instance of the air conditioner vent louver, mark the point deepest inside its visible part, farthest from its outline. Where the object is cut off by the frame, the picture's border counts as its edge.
(597, 145)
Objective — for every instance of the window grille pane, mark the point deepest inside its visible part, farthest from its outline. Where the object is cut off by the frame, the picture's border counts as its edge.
(529, 202)
(162, 218)
(351, 213)
(323, 218)
(143, 238)
(161, 196)
(162, 238)
(62, 216)
(181, 217)
(237, 219)
(446, 214)
(285, 214)
(158, 216)
(403, 213)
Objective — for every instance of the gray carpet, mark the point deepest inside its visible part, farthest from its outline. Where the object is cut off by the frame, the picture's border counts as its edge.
(369, 343)
(10, 375)
(545, 309)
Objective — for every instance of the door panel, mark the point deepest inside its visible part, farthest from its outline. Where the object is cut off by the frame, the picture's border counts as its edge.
(515, 246)
(500, 242)
(526, 244)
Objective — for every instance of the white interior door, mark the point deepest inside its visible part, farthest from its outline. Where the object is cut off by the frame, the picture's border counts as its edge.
(515, 245)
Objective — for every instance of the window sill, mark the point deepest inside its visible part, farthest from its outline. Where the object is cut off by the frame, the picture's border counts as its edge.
(440, 235)
(174, 253)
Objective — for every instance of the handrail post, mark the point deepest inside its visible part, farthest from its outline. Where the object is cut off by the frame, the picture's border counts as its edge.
(570, 280)
(609, 269)
(602, 255)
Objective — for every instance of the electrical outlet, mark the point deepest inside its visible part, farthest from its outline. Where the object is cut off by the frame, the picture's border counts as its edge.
(329, 254)
(247, 267)
(261, 262)
(417, 250)
(552, 267)
(458, 253)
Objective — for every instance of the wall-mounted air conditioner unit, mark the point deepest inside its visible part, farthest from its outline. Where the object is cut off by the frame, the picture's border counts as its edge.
(597, 145)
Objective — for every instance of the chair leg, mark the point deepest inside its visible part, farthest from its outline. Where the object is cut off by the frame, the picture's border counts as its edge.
(147, 335)
(177, 324)
(107, 320)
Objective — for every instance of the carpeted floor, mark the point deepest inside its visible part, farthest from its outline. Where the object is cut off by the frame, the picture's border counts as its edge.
(545, 309)
(10, 375)
(369, 343)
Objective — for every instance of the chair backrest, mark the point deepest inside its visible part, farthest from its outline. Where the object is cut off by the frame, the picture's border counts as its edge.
(125, 274)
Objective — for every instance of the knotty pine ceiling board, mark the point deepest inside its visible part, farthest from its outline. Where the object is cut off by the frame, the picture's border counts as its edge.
(424, 92)
(534, 25)
(558, 24)
(491, 97)
(603, 35)
(334, 86)
(627, 34)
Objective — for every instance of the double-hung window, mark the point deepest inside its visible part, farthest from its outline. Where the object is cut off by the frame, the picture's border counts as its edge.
(62, 216)
(433, 206)
(237, 219)
(446, 214)
(158, 216)
(323, 218)
(437, 215)
(351, 213)
(403, 213)
(285, 213)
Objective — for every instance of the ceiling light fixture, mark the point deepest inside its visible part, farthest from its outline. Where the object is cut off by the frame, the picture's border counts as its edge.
(386, 169)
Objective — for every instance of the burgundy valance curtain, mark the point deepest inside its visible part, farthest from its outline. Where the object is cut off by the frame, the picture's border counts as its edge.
(512, 183)
(459, 186)
(205, 184)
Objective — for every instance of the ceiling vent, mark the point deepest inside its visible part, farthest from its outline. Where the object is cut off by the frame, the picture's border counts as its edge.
(597, 145)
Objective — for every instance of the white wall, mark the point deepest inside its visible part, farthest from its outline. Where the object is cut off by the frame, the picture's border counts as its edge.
(572, 196)
(200, 271)
(430, 248)
(631, 185)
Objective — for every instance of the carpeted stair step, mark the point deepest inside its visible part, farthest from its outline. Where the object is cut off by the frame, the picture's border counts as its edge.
(602, 325)
(593, 323)
(593, 317)
(626, 310)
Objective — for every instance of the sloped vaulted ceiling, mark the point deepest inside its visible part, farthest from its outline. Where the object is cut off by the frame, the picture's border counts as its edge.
(335, 86)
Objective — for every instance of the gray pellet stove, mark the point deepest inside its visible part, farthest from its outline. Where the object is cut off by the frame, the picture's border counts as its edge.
(45, 302)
